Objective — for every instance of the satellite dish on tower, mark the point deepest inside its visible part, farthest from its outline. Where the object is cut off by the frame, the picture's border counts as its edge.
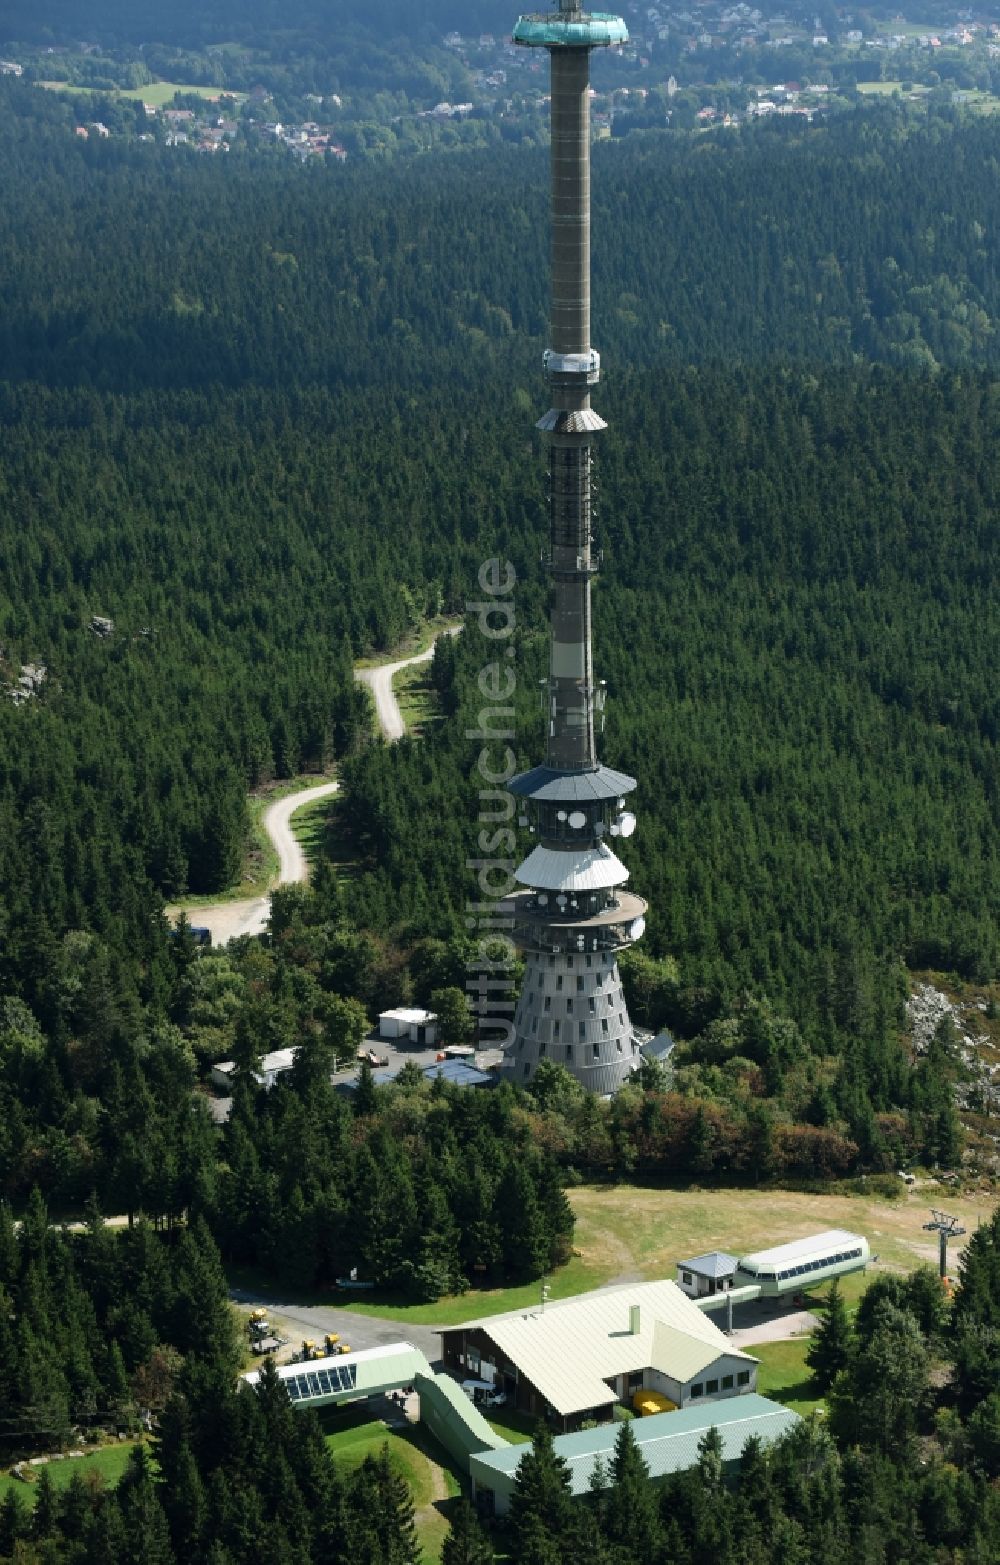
(637, 928)
(577, 820)
(626, 823)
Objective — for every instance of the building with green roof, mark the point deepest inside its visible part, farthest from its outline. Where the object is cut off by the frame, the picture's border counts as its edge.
(668, 1443)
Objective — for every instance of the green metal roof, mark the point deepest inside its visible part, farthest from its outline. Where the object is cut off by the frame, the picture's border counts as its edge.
(668, 1441)
(461, 1410)
(593, 31)
(342, 1376)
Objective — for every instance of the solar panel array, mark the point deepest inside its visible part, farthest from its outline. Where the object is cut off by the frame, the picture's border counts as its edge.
(330, 1382)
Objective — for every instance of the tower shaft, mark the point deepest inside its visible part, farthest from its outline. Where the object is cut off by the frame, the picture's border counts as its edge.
(573, 917)
(570, 131)
(572, 368)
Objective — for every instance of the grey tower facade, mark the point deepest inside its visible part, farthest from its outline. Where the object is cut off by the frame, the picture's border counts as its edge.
(573, 914)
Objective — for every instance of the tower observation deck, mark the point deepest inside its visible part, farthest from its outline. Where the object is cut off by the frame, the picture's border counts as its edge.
(573, 915)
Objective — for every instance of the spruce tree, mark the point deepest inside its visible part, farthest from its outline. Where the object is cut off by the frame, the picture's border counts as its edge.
(632, 1515)
(466, 1543)
(542, 1519)
(147, 1539)
(829, 1349)
(401, 1544)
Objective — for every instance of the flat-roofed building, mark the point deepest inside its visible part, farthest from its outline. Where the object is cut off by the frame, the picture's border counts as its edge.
(576, 1358)
(668, 1443)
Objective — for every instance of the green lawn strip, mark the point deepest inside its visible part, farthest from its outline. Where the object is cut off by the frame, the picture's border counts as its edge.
(161, 94)
(109, 1461)
(785, 1375)
(352, 1435)
(574, 1277)
(418, 704)
(319, 829)
(309, 826)
(514, 1426)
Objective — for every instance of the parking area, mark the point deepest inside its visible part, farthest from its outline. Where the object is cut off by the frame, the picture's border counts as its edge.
(397, 1052)
(297, 1322)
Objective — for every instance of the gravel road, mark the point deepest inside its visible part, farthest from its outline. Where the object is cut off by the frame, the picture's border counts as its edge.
(226, 920)
(379, 682)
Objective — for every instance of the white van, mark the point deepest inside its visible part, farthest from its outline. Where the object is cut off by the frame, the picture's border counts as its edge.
(483, 1393)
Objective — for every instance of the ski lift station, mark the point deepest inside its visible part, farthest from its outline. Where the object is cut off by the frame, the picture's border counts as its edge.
(788, 1268)
(717, 1279)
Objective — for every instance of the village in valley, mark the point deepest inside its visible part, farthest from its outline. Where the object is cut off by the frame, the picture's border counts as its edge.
(693, 67)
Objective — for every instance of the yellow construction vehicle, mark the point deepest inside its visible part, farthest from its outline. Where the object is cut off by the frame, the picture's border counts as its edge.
(331, 1340)
(343, 1347)
(258, 1315)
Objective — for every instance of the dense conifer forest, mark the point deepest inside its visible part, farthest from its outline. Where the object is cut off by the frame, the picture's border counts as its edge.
(260, 457)
(264, 420)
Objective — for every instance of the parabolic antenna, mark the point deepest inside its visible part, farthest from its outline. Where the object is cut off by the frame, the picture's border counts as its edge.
(637, 928)
(577, 820)
(626, 823)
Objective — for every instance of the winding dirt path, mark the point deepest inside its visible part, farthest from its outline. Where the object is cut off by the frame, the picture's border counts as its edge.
(227, 920)
(379, 681)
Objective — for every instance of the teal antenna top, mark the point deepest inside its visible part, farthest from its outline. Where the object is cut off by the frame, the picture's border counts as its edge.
(570, 28)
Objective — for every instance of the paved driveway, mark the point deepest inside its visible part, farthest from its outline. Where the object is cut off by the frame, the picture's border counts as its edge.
(296, 1321)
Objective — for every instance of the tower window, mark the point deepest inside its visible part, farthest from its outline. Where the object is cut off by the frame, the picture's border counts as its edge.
(547, 1003)
(583, 1029)
(559, 981)
(619, 1046)
(569, 1007)
(604, 1024)
(569, 1051)
(590, 961)
(534, 1024)
(579, 985)
(542, 1047)
(569, 963)
(592, 1004)
(597, 1051)
(555, 1029)
(527, 1068)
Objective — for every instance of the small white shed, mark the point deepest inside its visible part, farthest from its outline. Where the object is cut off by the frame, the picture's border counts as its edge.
(414, 1025)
